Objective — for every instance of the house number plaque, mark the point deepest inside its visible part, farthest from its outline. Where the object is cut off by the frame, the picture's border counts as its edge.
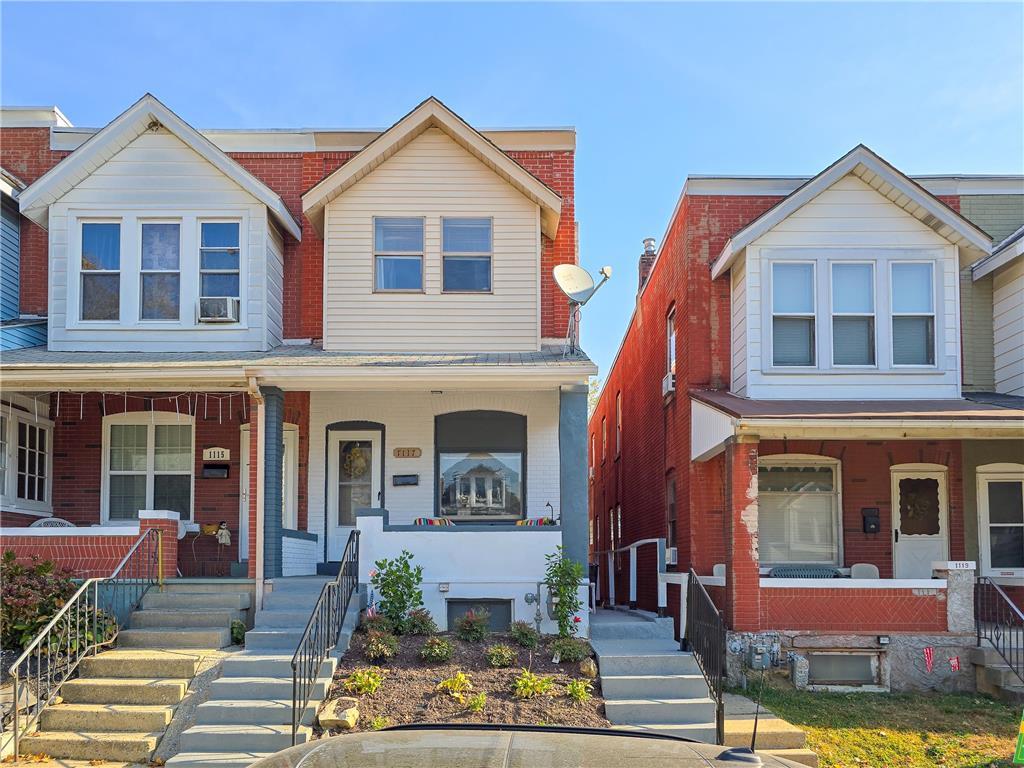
(407, 453)
(216, 454)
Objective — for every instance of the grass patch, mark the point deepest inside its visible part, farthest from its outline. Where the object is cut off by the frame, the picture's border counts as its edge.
(904, 730)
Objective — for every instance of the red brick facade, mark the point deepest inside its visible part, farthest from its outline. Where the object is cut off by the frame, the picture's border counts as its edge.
(863, 610)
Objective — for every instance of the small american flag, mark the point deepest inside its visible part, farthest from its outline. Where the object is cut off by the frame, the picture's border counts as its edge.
(371, 611)
(954, 663)
(929, 659)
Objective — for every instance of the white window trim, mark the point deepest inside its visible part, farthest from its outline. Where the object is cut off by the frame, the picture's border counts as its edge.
(468, 254)
(934, 316)
(772, 314)
(833, 314)
(813, 460)
(199, 261)
(143, 418)
(618, 424)
(9, 499)
(670, 342)
(290, 489)
(422, 255)
(79, 281)
(604, 439)
(131, 262)
(143, 271)
(985, 474)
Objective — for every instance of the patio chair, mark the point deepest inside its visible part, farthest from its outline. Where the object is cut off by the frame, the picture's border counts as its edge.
(51, 522)
(864, 571)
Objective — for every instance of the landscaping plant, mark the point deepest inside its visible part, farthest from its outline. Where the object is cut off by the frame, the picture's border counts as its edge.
(30, 594)
(563, 578)
(380, 645)
(501, 655)
(379, 723)
(365, 681)
(477, 702)
(524, 634)
(378, 622)
(398, 584)
(437, 649)
(473, 625)
(420, 622)
(456, 686)
(570, 650)
(237, 632)
(578, 691)
(527, 685)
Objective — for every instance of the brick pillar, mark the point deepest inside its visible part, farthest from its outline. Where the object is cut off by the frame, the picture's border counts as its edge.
(166, 522)
(742, 579)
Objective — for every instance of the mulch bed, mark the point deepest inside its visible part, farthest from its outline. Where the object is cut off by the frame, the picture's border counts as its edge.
(408, 693)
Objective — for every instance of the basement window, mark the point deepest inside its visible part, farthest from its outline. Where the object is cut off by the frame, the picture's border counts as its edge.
(855, 669)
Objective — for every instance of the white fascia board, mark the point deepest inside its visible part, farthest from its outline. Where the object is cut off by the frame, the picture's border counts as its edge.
(872, 429)
(33, 117)
(1001, 257)
(122, 378)
(961, 185)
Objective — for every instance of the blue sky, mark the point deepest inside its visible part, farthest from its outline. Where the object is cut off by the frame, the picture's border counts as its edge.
(655, 92)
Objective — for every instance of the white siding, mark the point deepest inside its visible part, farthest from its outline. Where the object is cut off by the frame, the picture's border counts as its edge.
(739, 328)
(157, 176)
(432, 177)
(851, 219)
(1008, 323)
(408, 418)
(275, 286)
(299, 556)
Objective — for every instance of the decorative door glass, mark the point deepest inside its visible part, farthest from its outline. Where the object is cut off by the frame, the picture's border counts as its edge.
(919, 506)
(355, 479)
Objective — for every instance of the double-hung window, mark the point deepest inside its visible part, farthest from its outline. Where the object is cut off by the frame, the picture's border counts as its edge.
(25, 461)
(398, 254)
(798, 510)
(466, 246)
(793, 314)
(149, 464)
(670, 343)
(618, 424)
(1001, 503)
(219, 255)
(913, 313)
(604, 438)
(32, 466)
(853, 314)
(101, 270)
(160, 288)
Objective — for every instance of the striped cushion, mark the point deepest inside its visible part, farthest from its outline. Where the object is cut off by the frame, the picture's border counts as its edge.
(443, 521)
(536, 521)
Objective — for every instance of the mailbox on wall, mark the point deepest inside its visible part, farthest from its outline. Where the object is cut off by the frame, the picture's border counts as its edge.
(872, 519)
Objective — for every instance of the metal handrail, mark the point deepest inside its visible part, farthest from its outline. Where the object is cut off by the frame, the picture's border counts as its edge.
(91, 619)
(1000, 622)
(659, 544)
(323, 630)
(705, 636)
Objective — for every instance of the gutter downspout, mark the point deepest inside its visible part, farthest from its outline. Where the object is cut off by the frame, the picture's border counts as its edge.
(256, 535)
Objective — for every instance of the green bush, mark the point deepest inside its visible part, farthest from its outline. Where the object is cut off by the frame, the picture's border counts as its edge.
(563, 578)
(524, 634)
(365, 681)
(397, 583)
(379, 723)
(380, 645)
(578, 691)
(437, 649)
(501, 655)
(570, 649)
(237, 632)
(420, 622)
(477, 702)
(473, 625)
(377, 623)
(31, 594)
(456, 686)
(528, 685)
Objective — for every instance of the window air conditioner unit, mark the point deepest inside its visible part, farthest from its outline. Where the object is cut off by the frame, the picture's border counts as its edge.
(671, 556)
(668, 384)
(218, 309)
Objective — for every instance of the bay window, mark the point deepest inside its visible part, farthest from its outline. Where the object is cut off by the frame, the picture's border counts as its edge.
(101, 270)
(1001, 504)
(913, 313)
(466, 246)
(853, 314)
(793, 314)
(398, 254)
(798, 510)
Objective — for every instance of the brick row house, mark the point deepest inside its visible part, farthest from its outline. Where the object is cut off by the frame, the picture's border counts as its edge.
(293, 335)
(819, 404)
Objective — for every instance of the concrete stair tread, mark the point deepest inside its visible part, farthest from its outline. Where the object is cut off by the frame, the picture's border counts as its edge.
(141, 663)
(215, 759)
(695, 700)
(673, 676)
(636, 647)
(243, 729)
(205, 638)
(94, 745)
(674, 729)
(127, 682)
(109, 718)
(803, 755)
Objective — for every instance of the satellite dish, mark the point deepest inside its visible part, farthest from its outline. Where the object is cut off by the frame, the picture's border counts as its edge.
(577, 284)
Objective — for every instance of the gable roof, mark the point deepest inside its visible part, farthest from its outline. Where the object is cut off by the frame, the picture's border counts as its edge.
(1011, 248)
(120, 132)
(432, 114)
(884, 179)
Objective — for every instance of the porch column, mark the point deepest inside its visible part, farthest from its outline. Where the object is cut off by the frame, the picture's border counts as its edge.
(742, 577)
(273, 501)
(572, 462)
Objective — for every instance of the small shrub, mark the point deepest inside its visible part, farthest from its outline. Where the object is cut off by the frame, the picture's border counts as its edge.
(398, 584)
(380, 645)
(437, 649)
(524, 634)
(377, 623)
(379, 723)
(527, 685)
(570, 650)
(456, 686)
(30, 594)
(473, 625)
(501, 655)
(420, 622)
(578, 691)
(477, 702)
(365, 681)
(563, 578)
(237, 632)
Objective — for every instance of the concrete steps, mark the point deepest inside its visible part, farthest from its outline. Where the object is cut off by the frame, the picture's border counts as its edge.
(106, 717)
(171, 637)
(695, 711)
(193, 601)
(140, 663)
(249, 711)
(774, 737)
(234, 688)
(86, 745)
(995, 677)
(167, 617)
(111, 690)
(235, 737)
(653, 686)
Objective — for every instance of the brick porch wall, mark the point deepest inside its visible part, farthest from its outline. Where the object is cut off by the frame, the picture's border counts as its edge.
(852, 610)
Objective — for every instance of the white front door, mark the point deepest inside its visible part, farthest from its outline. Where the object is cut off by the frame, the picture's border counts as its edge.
(920, 519)
(353, 483)
(289, 481)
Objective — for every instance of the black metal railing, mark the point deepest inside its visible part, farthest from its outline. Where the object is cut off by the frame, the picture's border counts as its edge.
(91, 619)
(323, 630)
(704, 636)
(1000, 622)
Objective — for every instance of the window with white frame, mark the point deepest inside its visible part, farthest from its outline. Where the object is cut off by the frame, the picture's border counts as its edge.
(26, 450)
(798, 510)
(160, 275)
(1001, 507)
(670, 342)
(618, 423)
(148, 464)
(3, 456)
(853, 314)
(220, 259)
(593, 452)
(912, 288)
(33, 464)
(398, 254)
(793, 314)
(466, 246)
(670, 507)
(101, 271)
(604, 438)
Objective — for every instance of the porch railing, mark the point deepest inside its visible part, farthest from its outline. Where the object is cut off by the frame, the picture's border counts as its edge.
(1000, 622)
(88, 621)
(322, 630)
(608, 562)
(704, 636)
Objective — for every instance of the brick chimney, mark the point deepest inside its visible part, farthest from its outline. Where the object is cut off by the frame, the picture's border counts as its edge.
(646, 262)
